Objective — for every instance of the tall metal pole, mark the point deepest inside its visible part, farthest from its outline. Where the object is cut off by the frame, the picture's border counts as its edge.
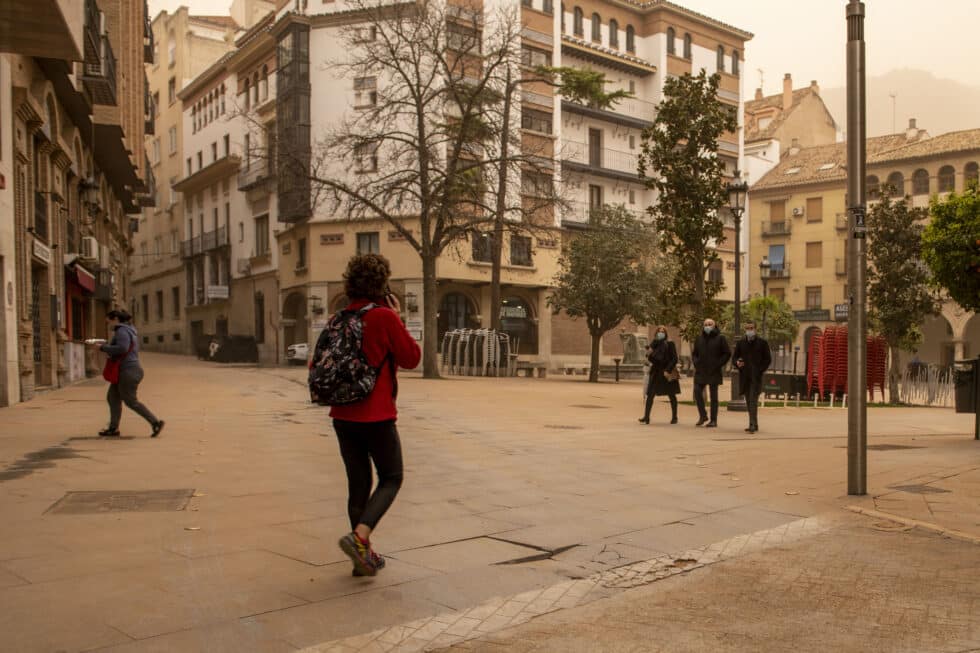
(857, 372)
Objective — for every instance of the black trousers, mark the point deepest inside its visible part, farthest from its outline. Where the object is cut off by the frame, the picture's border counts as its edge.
(362, 443)
(699, 400)
(752, 401)
(124, 392)
(649, 406)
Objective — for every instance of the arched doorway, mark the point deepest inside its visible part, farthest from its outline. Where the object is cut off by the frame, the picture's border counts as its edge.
(294, 329)
(517, 321)
(971, 337)
(456, 311)
(937, 347)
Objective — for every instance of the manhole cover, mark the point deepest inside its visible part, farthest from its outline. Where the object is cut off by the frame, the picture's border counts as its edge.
(919, 489)
(587, 406)
(892, 447)
(94, 503)
(563, 427)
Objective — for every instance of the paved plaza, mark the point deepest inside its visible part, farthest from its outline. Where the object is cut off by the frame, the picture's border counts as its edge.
(536, 515)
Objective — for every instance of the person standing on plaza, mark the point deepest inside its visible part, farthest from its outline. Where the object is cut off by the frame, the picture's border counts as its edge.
(710, 355)
(124, 373)
(366, 429)
(752, 358)
(664, 376)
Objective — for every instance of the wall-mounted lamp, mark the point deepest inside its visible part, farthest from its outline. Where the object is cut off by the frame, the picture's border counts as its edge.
(412, 302)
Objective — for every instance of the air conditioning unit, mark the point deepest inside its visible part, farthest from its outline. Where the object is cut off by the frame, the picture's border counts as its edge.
(244, 266)
(798, 212)
(90, 249)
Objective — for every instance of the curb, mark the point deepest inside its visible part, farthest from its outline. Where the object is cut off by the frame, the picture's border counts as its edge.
(926, 526)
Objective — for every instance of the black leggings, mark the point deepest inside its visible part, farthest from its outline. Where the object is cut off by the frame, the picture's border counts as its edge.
(361, 443)
(649, 406)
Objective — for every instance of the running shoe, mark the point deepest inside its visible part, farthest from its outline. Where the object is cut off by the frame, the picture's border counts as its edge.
(359, 553)
(379, 564)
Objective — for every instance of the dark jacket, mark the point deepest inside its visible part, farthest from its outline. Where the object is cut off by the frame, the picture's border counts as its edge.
(710, 355)
(757, 357)
(124, 343)
(662, 358)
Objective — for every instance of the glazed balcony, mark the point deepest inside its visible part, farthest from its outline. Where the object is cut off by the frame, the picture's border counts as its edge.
(99, 67)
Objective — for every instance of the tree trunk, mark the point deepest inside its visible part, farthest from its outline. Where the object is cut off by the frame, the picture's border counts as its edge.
(497, 246)
(594, 365)
(894, 376)
(430, 332)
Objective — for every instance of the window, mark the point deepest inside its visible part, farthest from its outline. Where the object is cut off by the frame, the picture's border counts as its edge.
(369, 243)
(534, 57)
(595, 197)
(146, 307)
(814, 298)
(814, 255)
(520, 250)
(255, 88)
(777, 210)
(595, 148)
(227, 145)
(735, 64)
(562, 17)
(920, 182)
(172, 90)
(157, 248)
(671, 41)
(365, 92)
(632, 197)
(366, 34)
(159, 306)
(896, 183)
(156, 151)
(462, 39)
(175, 296)
(778, 293)
(536, 184)
(596, 27)
(156, 104)
(874, 187)
(814, 209)
(613, 33)
(222, 99)
(777, 259)
(366, 157)
(716, 273)
(630, 39)
(262, 235)
(577, 27)
(214, 152)
(971, 174)
(245, 92)
(172, 134)
(171, 49)
(259, 318)
(227, 224)
(190, 167)
(200, 160)
(301, 254)
(548, 7)
(264, 84)
(248, 151)
(721, 59)
(539, 121)
(687, 46)
(241, 232)
(173, 191)
(482, 247)
(947, 179)
(632, 141)
(174, 242)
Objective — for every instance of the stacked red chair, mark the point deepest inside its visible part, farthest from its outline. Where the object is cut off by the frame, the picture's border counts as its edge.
(828, 361)
(840, 379)
(813, 361)
(877, 365)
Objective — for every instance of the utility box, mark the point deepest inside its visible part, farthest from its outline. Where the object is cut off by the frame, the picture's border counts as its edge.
(965, 385)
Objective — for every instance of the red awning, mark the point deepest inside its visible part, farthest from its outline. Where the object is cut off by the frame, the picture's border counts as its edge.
(84, 278)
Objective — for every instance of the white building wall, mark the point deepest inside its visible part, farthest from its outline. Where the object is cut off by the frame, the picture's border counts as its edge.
(9, 362)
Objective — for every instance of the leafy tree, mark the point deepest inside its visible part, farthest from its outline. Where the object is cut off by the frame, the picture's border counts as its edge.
(951, 246)
(780, 323)
(583, 86)
(680, 152)
(899, 292)
(606, 276)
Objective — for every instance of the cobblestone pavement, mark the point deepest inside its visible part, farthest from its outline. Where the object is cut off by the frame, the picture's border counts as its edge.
(221, 535)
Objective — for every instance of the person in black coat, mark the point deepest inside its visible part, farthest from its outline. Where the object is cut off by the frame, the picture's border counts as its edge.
(752, 358)
(710, 355)
(662, 356)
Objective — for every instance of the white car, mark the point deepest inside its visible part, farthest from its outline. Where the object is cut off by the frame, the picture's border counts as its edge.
(298, 354)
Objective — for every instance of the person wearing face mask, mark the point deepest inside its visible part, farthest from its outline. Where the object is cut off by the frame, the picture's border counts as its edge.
(710, 355)
(664, 379)
(752, 358)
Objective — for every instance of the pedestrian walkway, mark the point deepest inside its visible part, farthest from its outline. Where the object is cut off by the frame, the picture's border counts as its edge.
(221, 535)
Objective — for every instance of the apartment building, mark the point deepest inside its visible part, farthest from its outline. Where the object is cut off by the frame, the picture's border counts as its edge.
(801, 230)
(595, 155)
(74, 176)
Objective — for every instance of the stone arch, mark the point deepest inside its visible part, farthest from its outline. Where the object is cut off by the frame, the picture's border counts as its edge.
(971, 337)
(458, 309)
(937, 346)
(519, 319)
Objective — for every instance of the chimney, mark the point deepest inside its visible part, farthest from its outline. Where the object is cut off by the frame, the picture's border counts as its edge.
(787, 92)
(815, 87)
(758, 94)
(913, 131)
(794, 148)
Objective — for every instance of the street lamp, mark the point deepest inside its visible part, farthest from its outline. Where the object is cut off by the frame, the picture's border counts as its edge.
(737, 191)
(765, 269)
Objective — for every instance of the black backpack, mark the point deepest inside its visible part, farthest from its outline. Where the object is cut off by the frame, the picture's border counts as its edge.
(340, 374)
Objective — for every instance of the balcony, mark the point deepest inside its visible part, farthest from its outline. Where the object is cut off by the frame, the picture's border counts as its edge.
(99, 68)
(602, 161)
(256, 173)
(841, 267)
(842, 222)
(148, 45)
(772, 229)
(150, 198)
(41, 216)
(581, 212)
(47, 29)
(777, 272)
(213, 240)
(191, 248)
(632, 112)
(149, 110)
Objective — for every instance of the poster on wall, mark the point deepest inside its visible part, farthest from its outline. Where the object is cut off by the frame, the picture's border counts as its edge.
(414, 326)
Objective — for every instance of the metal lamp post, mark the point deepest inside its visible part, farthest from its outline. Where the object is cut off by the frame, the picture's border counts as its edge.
(765, 268)
(737, 191)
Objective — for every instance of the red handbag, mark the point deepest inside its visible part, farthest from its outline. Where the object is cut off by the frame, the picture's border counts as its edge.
(111, 370)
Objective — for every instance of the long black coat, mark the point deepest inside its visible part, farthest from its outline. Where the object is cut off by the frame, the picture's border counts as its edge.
(757, 357)
(662, 358)
(709, 356)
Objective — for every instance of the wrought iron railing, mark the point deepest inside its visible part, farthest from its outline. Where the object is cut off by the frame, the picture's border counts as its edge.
(40, 215)
(783, 228)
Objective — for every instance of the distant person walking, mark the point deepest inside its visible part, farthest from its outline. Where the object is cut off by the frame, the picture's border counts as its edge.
(710, 355)
(124, 373)
(365, 425)
(752, 358)
(664, 376)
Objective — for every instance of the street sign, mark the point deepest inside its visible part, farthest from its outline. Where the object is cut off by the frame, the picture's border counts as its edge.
(217, 292)
(813, 315)
(859, 213)
(841, 312)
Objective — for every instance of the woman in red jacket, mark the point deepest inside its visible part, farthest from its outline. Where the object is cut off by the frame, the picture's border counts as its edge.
(366, 430)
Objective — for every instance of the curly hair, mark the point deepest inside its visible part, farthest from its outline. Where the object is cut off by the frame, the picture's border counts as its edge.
(366, 277)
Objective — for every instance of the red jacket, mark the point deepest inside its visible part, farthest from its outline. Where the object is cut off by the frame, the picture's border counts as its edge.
(384, 334)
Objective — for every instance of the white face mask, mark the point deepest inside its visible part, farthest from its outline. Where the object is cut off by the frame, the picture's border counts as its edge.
(750, 333)
(661, 336)
(708, 329)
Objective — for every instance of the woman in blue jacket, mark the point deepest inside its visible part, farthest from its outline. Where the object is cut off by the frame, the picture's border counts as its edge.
(125, 348)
